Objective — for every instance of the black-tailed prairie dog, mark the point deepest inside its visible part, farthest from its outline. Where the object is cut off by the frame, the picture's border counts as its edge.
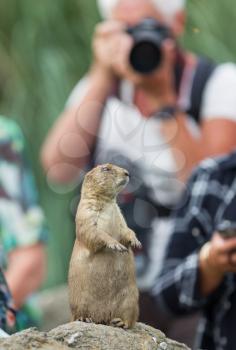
(102, 283)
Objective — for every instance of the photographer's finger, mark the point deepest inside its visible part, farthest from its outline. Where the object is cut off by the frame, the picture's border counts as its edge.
(101, 53)
(225, 245)
(232, 258)
(218, 258)
(223, 260)
(108, 28)
(169, 48)
(122, 47)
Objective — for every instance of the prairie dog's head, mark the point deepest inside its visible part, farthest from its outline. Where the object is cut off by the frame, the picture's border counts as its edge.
(105, 180)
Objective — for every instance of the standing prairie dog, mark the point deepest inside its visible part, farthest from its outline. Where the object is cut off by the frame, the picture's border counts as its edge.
(102, 283)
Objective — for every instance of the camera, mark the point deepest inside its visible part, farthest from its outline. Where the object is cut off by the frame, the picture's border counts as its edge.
(146, 53)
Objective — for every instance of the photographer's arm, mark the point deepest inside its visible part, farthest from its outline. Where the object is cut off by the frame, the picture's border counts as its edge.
(75, 131)
(69, 145)
(217, 136)
(26, 271)
(218, 121)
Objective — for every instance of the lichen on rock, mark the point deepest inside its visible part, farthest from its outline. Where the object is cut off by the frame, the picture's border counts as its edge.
(84, 336)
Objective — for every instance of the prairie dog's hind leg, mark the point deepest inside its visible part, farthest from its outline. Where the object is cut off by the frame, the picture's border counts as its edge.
(118, 322)
(81, 319)
(85, 319)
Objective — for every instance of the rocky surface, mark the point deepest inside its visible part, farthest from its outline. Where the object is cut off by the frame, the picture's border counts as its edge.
(83, 336)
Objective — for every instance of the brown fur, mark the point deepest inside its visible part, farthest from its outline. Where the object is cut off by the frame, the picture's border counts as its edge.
(102, 284)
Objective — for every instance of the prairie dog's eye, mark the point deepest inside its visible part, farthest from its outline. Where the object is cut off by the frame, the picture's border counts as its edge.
(105, 169)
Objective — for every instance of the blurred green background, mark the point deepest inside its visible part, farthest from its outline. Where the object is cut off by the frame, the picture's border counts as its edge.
(44, 50)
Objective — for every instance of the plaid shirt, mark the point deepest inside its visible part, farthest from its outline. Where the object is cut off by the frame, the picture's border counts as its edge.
(210, 198)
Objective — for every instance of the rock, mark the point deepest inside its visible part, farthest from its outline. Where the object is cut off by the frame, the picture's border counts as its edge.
(84, 336)
(30, 339)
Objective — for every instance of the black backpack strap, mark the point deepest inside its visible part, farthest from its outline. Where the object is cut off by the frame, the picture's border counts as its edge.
(204, 69)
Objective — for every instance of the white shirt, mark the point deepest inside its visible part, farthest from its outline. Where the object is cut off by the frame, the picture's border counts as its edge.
(127, 138)
(126, 132)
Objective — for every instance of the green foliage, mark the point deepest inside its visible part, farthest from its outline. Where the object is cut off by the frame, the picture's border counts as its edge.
(210, 29)
(44, 50)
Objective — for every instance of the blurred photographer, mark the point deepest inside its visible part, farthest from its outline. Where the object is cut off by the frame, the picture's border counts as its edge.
(157, 114)
(200, 263)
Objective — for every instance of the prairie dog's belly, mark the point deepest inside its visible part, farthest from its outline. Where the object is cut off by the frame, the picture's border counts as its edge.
(106, 270)
(109, 221)
(106, 260)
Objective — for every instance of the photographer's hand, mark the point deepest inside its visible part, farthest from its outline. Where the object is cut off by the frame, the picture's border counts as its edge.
(215, 260)
(111, 50)
(111, 47)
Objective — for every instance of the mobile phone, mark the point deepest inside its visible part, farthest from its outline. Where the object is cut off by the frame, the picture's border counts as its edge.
(227, 229)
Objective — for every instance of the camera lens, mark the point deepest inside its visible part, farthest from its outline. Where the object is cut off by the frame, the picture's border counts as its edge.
(145, 57)
(148, 37)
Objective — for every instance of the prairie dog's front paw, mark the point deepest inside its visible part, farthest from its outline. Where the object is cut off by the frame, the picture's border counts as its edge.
(135, 243)
(117, 246)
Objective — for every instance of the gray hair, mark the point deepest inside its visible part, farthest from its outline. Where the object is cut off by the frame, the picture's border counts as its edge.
(166, 7)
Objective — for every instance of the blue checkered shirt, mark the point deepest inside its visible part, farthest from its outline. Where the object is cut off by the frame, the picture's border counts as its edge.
(209, 199)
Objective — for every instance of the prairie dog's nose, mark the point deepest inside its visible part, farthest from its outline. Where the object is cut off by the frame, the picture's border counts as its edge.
(126, 173)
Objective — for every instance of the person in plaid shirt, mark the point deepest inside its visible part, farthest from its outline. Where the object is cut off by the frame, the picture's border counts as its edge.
(198, 272)
(23, 231)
